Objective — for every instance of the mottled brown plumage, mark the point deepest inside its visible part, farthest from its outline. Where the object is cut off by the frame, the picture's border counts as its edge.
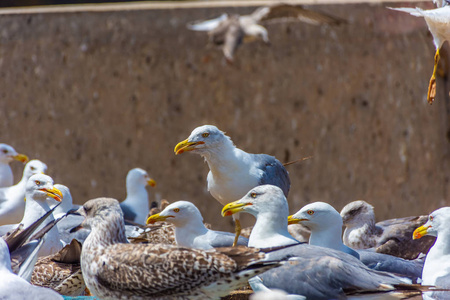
(61, 272)
(393, 237)
(114, 269)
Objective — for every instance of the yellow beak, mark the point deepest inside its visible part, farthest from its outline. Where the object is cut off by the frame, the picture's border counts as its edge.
(156, 217)
(233, 207)
(151, 182)
(292, 220)
(21, 157)
(420, 232)
(185, 146)
(53, 193)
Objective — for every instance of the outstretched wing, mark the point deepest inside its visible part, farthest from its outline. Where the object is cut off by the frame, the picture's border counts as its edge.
(287, 12)
(207, 25)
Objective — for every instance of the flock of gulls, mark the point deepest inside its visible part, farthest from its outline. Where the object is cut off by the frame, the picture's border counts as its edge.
(108, 249)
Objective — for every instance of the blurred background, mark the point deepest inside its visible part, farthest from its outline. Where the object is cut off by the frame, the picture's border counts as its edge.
(96, 93)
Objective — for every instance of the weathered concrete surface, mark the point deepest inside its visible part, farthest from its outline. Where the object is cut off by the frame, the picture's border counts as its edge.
(95, 94)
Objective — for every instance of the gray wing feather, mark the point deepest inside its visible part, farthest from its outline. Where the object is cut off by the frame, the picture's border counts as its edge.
(226, 239)
(273, 172)
(322, 273)
(388, 263)
(128, 213)
(67, 224)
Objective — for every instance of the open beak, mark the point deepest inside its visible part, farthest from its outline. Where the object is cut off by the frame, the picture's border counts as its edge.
(420, 232)
(234, 207)
(293, 220)
(151, 182)
(53, 193)
(185, 146)
(21, 157)
(157, 218)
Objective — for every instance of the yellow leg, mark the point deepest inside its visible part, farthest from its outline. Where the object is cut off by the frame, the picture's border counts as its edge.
(238, 231)
(432, 85)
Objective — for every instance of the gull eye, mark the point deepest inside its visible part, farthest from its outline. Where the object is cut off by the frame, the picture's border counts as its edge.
(37, 182)
(431, 218)
(5, 151)
(253, 195)
(32, 168)
(176, 210)
(205, 135)
(310, 212)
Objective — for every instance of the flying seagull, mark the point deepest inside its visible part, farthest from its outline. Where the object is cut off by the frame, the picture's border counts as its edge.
(438, 21)
(233, 172)
(190, 230)
(231, 31)
(112, 268)
(7, 155)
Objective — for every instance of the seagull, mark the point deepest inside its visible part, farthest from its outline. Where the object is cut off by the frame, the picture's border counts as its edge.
(314, 272)
(325, 223)
(190, 230)
(391, 237)
(231, 31)
(11, 285)
(436, 271)
(438, 21)
(39, 188)
(114, 269)
(7, 155)
(12, 205)
(233, 172)
(135, 207)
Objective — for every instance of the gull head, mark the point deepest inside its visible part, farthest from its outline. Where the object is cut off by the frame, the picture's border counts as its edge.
(357, 213)
(8, 154)
(438, 223)
(317, 216)
(139, 177)
(34, 167)
(39, 187)
(178, 213)
(203, 139)
(101, 211)
(263, 199)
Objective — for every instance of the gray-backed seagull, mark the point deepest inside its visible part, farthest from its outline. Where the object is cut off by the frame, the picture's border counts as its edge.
(233, 172)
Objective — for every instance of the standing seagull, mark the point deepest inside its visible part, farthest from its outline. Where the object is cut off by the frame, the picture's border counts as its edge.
(230, 31)
(12, 205)
(438, 21)
(233, 172)
(113, 269)
(135, 207)
(7, 155)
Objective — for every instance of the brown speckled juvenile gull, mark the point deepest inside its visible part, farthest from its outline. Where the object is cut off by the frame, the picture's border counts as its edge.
(393, 237)
(113, 269)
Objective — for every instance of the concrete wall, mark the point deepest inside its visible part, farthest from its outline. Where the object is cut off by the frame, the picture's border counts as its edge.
(95, 94)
